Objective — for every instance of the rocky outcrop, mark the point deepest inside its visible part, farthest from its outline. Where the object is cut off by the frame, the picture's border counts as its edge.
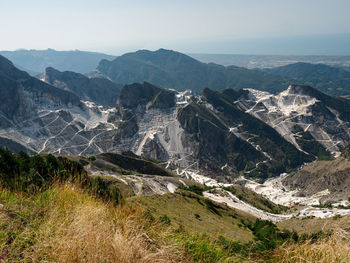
(216, 146)
(324, 117)
(331, 176)
(22, 94)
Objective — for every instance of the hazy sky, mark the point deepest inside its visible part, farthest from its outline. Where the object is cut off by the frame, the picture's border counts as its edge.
(198, 26)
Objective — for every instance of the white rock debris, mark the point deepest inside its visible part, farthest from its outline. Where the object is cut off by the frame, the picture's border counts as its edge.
(287, 109)
(271, 189)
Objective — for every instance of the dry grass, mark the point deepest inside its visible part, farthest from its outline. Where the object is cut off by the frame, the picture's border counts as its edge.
(79, 228)
(335, 249)
(65, 224)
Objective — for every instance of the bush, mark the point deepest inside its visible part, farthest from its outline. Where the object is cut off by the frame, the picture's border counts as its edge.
(165, 220)
(92, 158)
(211, 206)
(201, 249)
(195, 188)
(37, 173)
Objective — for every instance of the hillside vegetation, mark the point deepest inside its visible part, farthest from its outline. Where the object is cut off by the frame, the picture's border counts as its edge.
(170, 69)
(314, 177)
(66, 224)
(58, 213)
(332, 80)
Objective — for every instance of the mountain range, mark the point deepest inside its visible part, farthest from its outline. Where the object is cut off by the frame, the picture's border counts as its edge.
(270, 61)
(174, 70)
(219, 134)
(170, 69)
(224, 169)
(36, 61)
(331, 80)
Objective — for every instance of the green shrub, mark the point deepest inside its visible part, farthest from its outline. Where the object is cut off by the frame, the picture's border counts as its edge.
(211, 206)
(149, 216)
(37, 173)
(195, 188)
(92, 158)
(165, 220)
(202, 249)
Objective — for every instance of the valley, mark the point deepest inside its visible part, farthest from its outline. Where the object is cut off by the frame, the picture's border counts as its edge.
(275, 190)
(175, 131)
(226, 156)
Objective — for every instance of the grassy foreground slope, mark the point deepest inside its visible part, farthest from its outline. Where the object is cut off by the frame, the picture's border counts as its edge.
(55, 212)
(198, 214)
(66, 224)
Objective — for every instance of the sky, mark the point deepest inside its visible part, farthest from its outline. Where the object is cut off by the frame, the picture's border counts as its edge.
(192, 26)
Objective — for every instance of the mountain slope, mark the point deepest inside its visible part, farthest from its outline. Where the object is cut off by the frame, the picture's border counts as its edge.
(175, 128)
(218, 134)
(38, 60)
(20, 92)
(332, 80)
(24, 99)
(146, 95)
(276, 149)
(302, 115)
(331, 177)
(217, 149)
(170, 69)
(97, 224)
(99, 90)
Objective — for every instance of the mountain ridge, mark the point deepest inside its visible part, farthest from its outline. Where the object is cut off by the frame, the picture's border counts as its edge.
(98, 90)
(329, 79)
(18, 82)
(220, 134)
(171, 69)
(37, 60)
